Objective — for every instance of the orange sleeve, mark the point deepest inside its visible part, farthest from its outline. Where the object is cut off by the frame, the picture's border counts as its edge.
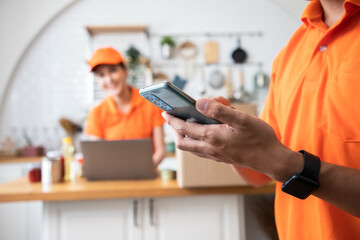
(252, 177)
(93, 124)
(268, 113)
(157, 119)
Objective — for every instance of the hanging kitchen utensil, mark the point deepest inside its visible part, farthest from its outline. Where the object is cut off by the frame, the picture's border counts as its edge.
(216, 79)
(261, 80)
(160, 76)
(261, 83)
(239, 55)
(241, 95)
(202, 88)
(229, 90)
(188, 51)
(211, 51)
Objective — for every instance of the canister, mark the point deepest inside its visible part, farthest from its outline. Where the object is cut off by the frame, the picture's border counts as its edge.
(51, 170)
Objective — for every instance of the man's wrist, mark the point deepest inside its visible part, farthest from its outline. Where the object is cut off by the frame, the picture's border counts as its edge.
(289, 164)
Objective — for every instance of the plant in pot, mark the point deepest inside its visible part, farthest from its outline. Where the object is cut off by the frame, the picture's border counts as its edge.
(134, 56)
(167, 47)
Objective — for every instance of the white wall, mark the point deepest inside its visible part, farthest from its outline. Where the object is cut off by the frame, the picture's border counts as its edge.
(20, 22)
(51, 78)
(293, 8)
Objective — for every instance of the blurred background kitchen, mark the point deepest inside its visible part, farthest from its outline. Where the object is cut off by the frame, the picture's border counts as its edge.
(208, 48)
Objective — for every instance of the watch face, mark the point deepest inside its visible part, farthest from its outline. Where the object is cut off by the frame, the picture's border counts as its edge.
(299, 186)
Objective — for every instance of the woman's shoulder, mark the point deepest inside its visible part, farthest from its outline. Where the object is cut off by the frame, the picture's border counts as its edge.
(139, 100)
(100, 107)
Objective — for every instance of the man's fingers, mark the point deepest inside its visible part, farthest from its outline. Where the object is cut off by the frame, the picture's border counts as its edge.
(197, 147)
(192, 145)
(190, 129)
(225, 114)
(222, 100)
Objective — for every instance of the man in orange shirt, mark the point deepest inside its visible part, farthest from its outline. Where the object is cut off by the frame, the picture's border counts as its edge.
(312, 105)
(123, 114)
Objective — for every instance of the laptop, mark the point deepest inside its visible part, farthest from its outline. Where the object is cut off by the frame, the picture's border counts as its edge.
(120, 159)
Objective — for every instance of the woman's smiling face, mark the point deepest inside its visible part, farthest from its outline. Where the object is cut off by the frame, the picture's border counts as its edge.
(112, 78)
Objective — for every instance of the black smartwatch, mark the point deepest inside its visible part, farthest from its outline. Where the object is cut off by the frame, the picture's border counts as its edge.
(302, 184)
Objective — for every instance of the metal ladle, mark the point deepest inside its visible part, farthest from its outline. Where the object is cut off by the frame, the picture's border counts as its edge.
(202, 89)
(241, 94)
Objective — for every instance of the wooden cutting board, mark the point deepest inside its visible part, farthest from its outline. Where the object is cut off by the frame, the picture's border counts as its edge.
(211, 51)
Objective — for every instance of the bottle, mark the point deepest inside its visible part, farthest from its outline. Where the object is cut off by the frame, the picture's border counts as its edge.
(80, 163)
(68, 152)
(79, 160)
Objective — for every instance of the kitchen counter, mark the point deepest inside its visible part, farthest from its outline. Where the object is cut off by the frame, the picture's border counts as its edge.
(17, 159)
(126, 208)
(22, 190)
(131, 209)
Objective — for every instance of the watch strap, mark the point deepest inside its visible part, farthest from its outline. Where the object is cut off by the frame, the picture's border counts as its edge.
(311, 167)
(303, 184)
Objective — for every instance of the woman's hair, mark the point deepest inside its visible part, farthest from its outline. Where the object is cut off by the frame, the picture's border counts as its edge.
(121, 65)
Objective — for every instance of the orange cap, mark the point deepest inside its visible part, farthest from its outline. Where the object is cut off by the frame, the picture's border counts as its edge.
(105, 56)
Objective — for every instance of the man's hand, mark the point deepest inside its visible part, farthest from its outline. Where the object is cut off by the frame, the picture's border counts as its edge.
(242, 140)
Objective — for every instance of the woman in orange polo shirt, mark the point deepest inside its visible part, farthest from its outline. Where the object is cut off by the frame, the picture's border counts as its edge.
(123, 114)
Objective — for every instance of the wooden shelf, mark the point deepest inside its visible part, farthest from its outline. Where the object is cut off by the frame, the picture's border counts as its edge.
(204, 65)
(17, 159)
(212, 34)
(93, 30)
(96, 29)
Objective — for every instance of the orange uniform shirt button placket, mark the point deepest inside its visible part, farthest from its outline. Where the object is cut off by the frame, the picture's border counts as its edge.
(323, 48)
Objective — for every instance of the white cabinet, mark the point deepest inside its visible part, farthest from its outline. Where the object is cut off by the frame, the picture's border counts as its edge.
(11, 171)
(19, 220)
(199, 217)
(91, 220)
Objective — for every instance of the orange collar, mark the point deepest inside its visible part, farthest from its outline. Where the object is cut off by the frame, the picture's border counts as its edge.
(135, 101)
(312, 15)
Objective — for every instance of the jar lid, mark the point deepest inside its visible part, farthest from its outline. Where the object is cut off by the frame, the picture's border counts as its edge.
(54, 154)
(66, 140)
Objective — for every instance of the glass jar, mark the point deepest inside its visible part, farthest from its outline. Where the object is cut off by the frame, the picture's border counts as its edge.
(34, 172)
